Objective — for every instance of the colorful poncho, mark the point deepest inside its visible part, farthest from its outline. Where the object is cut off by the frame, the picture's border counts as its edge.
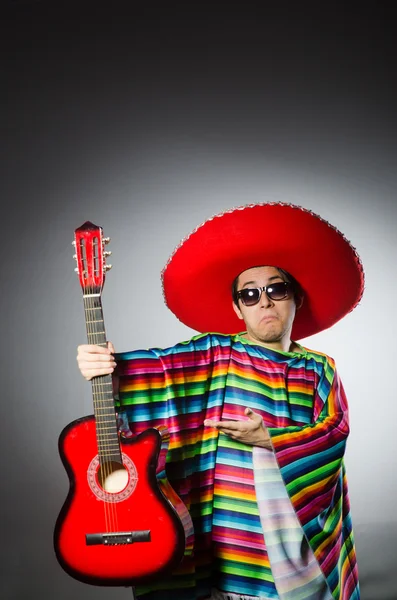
(302, 402)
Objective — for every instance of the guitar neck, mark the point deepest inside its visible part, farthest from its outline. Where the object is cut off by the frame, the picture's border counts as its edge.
(102, 386)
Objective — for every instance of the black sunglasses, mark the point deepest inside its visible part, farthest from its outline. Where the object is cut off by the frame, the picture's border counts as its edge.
(274, 291)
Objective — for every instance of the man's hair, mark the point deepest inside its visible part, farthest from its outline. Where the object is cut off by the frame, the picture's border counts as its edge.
(285, 276)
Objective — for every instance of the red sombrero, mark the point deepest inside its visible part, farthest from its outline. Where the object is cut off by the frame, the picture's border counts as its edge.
(198, 276)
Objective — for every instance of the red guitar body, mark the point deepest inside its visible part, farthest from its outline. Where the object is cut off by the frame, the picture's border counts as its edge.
(146, 504)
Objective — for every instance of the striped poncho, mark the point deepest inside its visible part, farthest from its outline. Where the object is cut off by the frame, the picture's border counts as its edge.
(302, 402)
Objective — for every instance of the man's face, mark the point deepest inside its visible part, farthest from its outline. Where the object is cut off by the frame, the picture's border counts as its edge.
(269, 321)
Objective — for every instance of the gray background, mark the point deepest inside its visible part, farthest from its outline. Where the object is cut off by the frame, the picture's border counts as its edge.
(147, 119)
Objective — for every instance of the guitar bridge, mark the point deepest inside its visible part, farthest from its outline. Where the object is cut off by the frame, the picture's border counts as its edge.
(117, 538)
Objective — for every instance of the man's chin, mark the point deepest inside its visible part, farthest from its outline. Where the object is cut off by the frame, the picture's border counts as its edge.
(266, 338)
(271, 333)
(271, 339)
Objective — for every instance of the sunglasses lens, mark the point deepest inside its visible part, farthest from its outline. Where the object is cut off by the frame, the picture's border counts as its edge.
(249, 296)
(278, 291)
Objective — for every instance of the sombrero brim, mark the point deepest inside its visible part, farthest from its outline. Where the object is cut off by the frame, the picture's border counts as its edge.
(198, 276)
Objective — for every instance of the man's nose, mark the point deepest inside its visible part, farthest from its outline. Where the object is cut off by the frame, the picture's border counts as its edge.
(265, 301)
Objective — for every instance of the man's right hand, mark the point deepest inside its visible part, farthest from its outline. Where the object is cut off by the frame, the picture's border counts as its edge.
(95, 360)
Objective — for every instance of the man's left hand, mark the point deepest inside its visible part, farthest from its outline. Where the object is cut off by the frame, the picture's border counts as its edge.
(252, 431)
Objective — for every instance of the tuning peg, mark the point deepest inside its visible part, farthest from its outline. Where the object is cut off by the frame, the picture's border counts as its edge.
(76, 269)
(107, 267)
(74, 243)
(107, 253)
(75, 256)
(106, 240)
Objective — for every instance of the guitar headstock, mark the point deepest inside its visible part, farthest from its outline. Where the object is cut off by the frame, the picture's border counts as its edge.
(91, 256)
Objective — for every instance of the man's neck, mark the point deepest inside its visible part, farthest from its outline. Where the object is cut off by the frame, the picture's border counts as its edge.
(285, 345)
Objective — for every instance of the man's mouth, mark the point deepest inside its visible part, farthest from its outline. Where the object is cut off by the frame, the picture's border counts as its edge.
(268, 318)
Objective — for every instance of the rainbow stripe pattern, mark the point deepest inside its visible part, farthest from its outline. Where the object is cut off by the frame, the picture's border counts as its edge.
(295, 569)
(303, 404)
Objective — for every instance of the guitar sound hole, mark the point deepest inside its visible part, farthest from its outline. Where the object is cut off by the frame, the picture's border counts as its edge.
(112, 477)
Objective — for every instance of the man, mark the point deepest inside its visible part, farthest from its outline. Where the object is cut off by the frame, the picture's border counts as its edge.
(258, 422)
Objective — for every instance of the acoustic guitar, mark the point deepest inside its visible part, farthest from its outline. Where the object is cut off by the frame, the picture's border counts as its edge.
(122, 524)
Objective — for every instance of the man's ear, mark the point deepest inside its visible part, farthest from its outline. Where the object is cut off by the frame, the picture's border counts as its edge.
(299, 301)
(237, 311)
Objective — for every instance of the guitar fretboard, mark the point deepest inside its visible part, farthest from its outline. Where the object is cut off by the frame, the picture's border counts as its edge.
(102, 386)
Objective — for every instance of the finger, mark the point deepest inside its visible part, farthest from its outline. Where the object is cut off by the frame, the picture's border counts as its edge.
(231, 432)
(93, 349)
(210, 423)
(234, 425)
(96, 372)
(95, 360)
(111, 347)
(92, 373)
(253, 415)
(93, 366)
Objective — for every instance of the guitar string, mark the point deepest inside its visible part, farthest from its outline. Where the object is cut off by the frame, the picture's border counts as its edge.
(115, 436)
(99, 391)
(90, 318)
(107, 467)
(100, 431)
(109, 391)
(107, 438)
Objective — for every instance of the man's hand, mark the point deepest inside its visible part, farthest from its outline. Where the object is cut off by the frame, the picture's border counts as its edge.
(95, 360)
(252, 432)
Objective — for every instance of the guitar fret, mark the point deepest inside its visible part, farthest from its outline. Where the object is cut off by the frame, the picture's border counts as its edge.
(104, 403)
(103, 444)
(104, 400)
(107, 447)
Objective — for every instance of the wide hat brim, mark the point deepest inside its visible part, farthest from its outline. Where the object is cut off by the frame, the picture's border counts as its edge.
(198, 276)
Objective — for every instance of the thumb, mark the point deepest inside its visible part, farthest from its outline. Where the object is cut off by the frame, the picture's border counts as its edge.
(252, 415)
